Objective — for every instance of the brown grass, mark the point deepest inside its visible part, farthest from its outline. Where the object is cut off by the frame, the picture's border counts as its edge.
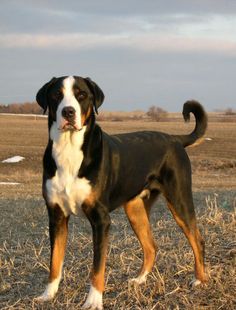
(25, 252)
(24, 243)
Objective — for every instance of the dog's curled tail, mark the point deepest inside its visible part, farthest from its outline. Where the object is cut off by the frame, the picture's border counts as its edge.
(195, 137)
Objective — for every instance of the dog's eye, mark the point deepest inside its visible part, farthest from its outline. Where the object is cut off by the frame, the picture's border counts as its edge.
(82, 95)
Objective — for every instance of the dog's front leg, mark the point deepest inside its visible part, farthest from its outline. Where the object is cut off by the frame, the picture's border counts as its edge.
(100, 222)
(58, 231)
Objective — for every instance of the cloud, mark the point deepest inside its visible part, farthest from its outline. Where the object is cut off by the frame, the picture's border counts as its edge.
(62, 41)
(143, 42)
(151, 28)
(104, 16)
(131, 7)
(142, 53)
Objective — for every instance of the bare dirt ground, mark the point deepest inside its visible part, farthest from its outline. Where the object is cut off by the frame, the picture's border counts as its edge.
(24, 243)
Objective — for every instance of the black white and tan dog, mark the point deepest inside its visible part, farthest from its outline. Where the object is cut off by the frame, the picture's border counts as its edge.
(89, 170)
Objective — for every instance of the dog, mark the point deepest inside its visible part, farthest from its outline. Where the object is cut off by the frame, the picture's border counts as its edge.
(85, 169)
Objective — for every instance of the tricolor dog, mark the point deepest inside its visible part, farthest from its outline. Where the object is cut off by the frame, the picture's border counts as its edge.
(87, 170)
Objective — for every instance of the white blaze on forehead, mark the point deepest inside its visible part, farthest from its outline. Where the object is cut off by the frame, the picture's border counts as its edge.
(69, 100)
(68, 86)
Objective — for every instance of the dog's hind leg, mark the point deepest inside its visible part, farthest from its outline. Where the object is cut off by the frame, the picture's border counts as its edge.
(137, 211)
(194, 237)
(178, 192)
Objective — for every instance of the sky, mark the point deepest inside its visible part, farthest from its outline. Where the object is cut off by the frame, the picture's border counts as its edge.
(141, 53)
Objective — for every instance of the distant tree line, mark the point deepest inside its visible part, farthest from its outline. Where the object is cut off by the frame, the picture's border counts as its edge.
(21, 108)
(230, 111)
(154, 113)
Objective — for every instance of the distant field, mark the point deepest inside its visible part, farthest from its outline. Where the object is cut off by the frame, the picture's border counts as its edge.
(24, 245)
(213, 162)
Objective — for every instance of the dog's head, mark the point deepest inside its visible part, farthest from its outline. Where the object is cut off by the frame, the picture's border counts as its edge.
(70, 101)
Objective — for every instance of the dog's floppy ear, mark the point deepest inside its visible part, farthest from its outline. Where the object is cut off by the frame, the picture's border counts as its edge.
(98, 96)
(41, 96)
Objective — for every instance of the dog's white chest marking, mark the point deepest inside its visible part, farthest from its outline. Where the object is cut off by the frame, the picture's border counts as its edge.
(65, 188)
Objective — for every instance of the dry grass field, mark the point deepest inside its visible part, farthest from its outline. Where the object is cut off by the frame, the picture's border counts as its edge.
(24, 243)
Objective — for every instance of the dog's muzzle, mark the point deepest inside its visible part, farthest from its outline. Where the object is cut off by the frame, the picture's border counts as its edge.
(69, 116)
(68, 113)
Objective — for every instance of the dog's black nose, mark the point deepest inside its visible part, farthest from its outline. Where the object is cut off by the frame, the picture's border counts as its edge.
(68, 113)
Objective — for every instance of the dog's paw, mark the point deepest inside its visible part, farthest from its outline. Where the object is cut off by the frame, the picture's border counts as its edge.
(94, 300)
(140, 279)
(196, 282)
(44, 297)
(49, 292)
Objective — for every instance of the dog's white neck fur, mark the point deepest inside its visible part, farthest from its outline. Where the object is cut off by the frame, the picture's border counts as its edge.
(65, 188)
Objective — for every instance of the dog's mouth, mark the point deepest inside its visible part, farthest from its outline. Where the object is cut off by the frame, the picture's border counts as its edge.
(69, 126)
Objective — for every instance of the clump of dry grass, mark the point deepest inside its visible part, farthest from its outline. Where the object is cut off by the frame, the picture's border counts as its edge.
(24, 259)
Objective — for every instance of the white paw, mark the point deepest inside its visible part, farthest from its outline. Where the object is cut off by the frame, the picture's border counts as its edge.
(44, 297)
(140, 279)
(195, 282)
(94, 300)
(49, 292)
